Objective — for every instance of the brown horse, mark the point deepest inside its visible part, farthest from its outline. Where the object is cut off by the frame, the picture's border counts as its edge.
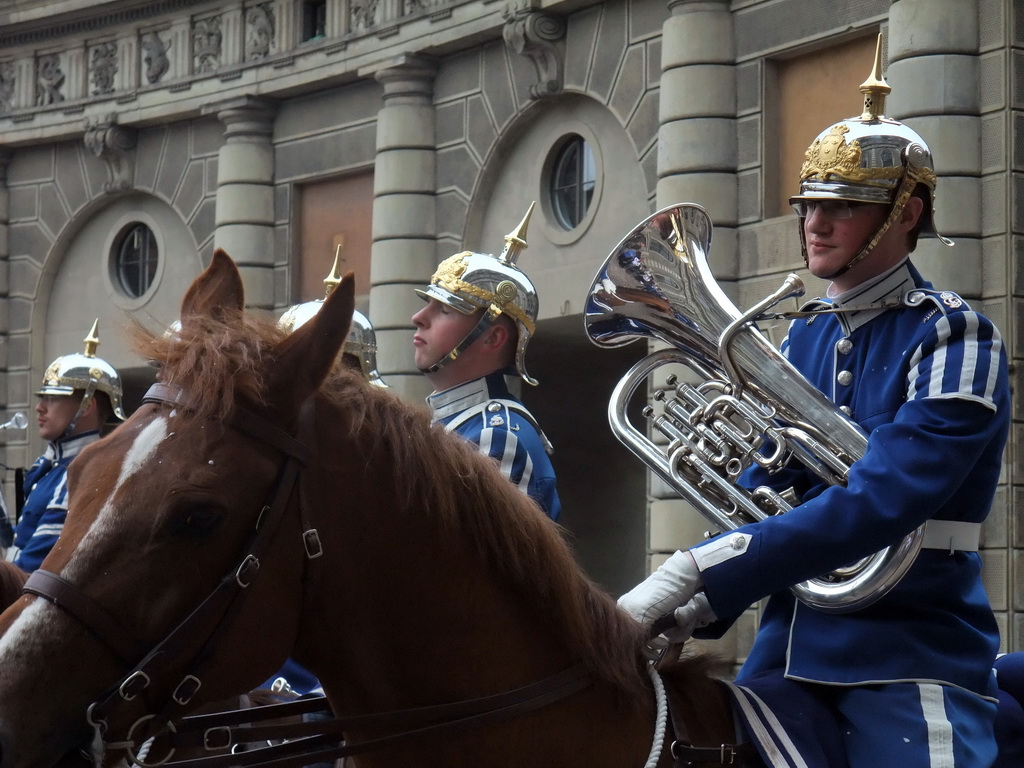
(12, 579)
(385, 555)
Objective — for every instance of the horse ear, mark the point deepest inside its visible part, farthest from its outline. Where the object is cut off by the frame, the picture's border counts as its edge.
(217, 289)
(307, 355)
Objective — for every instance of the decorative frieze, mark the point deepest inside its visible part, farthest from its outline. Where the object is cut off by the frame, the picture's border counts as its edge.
(103, 68)
(259, 31)
(155, 62)
(49, 80)
(206, 45)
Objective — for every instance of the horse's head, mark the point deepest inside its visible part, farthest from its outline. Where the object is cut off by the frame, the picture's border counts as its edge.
(163, 511)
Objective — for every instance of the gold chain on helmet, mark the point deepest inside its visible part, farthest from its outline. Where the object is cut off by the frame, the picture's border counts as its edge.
(449, 276)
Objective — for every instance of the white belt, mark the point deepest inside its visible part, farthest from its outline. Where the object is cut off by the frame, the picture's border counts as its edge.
(951, 535)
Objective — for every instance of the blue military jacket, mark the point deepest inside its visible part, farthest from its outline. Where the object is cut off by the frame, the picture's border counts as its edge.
(484, 412)
(927, 379)
(46, 500)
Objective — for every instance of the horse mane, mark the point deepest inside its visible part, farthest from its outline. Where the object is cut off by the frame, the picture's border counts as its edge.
(230, 356)
(12, 578)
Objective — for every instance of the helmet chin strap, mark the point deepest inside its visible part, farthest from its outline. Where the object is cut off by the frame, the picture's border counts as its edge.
(487, 319)
(83, 406)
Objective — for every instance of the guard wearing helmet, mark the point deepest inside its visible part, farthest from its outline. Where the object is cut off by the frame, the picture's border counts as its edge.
(80, 393)
(470, 342)
(906, 680)
(360, 348)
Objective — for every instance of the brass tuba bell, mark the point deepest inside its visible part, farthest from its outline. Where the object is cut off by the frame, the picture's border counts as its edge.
(749, 404)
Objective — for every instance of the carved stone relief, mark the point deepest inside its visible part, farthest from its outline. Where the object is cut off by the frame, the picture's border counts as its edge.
(49, 79)
(7, 83)
(103, 68)
(114, 144)
(154, 57)
(362, 14)
(535, 35)
(206, 45)
(259, 32)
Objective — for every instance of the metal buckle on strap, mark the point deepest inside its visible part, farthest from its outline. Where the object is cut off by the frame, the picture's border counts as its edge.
(186, 689)
(131, 687)
(311, 540)
(250, 564)
(210, 744)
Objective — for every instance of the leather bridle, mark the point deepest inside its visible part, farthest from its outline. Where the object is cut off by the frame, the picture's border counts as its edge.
(201, 633)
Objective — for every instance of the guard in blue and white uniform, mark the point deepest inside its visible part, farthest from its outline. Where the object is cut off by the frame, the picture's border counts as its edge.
(80, 394)
(470, 342)
(906, 680)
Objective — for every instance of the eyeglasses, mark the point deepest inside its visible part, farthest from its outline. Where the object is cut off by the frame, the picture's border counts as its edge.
(830, 209)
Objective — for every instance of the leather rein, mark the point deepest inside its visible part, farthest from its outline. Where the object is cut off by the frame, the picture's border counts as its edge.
(203, 631)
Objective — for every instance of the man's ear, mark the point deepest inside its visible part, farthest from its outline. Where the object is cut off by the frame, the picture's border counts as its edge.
(912, 212)
(496, 336)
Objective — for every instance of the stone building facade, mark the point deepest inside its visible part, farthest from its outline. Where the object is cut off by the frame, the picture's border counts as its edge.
(135, 137)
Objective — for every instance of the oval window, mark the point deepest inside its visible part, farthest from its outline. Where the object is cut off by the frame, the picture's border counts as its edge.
(573, 179)
(135, 256)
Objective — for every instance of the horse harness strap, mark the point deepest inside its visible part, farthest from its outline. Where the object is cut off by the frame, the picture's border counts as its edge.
(684, 754)
(318, 741)
(106, 627)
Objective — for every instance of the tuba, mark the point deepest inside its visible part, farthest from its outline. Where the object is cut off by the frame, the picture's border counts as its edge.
(748, 404)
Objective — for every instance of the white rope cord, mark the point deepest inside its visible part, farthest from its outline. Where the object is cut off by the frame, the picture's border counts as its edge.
(661, 718)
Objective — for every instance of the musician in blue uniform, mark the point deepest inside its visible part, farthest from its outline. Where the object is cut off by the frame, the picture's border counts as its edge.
(80, 394)
(470, 343)
(906, 680)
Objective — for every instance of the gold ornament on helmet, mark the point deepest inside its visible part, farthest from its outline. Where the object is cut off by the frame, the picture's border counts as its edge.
(361, 342)
(84, 372)
(469, 282)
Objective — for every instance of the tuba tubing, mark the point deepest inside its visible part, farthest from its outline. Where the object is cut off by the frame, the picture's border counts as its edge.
(749, 405)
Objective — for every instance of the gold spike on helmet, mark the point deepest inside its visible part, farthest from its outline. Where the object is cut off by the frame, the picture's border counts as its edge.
(468, 282)
(84, 372)
(872, 159)
(361, 342)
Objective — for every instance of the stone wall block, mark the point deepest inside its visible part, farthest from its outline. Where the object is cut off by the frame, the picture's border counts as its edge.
(715, 191)
(958, 206)
(249, 244)
(405, 126)
(919, 27)
(925, 85)
(697, 37)
(957, 268)
(675, 524)
(394, 304)
(701, 90)
(697, 144)
(403, 216)
(404, 170)
(259, 285)
(402, 260)
(245, 204)
(955, 142)
(246, 162)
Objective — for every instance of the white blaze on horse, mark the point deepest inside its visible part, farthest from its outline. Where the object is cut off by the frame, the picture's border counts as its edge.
(263, 504)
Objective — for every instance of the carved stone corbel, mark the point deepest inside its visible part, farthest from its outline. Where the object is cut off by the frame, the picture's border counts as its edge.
(535, 34)
(114, 145)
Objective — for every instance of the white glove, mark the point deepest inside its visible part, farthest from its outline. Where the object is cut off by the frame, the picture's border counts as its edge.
(672, 586)
(696, 614)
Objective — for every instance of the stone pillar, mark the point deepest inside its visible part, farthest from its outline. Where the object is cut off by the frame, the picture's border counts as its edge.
(13, 440)
(933, 71)
(245, 193)
(404, 252)
(697, 159)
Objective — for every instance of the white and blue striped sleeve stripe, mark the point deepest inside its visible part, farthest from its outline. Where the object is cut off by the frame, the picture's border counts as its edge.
(960, 359)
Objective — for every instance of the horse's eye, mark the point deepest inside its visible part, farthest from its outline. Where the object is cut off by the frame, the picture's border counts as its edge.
(198, 521)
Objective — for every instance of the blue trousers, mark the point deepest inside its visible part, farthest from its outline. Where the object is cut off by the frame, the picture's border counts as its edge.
(910, 725)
